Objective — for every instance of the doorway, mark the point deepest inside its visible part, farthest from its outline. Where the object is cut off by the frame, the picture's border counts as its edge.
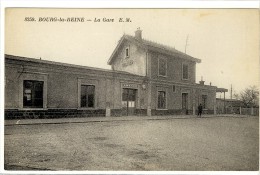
(129, 101)
(185, 103)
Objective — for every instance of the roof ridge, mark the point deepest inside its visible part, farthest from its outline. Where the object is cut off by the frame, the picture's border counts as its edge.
(153, 45)
(162, 46)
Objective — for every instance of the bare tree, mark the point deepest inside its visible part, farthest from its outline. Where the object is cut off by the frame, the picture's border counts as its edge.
(249, 96)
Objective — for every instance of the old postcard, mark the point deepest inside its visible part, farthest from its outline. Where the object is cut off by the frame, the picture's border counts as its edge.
(131, 89)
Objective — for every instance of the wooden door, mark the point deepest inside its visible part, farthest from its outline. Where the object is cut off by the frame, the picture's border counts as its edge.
(129, 101)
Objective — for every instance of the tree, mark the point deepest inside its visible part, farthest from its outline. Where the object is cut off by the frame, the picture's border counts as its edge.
(249, 96)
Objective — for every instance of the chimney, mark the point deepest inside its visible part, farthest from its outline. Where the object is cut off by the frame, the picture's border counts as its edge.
(138, 34)
(201, 81)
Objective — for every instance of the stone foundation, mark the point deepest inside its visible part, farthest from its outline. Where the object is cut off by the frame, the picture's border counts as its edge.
(52, 113)
(120, 112)
(171, 112)
(71, 113)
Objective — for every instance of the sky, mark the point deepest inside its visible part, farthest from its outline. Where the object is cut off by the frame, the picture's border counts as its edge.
(226, 40)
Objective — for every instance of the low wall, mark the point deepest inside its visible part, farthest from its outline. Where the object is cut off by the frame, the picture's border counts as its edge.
(52, 113)
(171, 112)
(120, 112)
(70, 113)
(65, 113)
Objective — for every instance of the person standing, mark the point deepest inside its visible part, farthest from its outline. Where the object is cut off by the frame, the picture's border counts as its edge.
(199, 110)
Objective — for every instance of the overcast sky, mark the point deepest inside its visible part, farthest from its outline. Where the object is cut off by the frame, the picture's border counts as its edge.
(226, 40)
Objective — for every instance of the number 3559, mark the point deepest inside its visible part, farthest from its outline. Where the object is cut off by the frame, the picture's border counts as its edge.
(29, 19)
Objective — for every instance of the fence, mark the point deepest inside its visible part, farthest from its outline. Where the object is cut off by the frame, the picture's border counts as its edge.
(242, 111)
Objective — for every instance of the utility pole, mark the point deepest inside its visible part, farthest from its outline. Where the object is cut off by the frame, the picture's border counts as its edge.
(186, 42)
(231, 92)
(231, 99)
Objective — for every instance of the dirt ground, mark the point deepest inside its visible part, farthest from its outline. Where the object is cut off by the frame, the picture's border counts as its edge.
(195, 144)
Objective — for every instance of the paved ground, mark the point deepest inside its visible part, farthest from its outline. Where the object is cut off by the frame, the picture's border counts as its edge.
(110, 119)
(141, 143)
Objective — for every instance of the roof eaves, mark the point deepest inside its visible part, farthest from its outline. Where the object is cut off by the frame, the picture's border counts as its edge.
(34, 60)
(109, 62)
(221, 90)
(173, 53)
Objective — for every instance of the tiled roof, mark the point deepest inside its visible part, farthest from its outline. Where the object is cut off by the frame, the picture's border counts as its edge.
(150, 45)
(40, 61)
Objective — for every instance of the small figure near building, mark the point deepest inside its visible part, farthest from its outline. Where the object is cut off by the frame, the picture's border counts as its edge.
(199, 110)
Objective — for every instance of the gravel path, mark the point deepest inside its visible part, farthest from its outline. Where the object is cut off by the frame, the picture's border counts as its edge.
(203, 144)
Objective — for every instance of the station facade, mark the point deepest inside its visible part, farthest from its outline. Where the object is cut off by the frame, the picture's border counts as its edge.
(146, 78)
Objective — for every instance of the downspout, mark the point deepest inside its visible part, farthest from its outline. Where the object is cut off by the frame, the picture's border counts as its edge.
(149, 113)
(146, 70)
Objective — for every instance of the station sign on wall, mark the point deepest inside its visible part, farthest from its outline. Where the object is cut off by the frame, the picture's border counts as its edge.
(127, 63)
(126, 85)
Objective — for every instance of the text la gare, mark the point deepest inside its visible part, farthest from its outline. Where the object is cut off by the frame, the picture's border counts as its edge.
(112, 20)
(104, 20)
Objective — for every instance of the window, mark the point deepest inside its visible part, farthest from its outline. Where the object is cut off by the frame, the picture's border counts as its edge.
(129, 98)
(128, 94)
(184, 100)
(33, 94)
(87, 96)
(161, 100)
(162, 66)
(173, 88)
(204, 101)
(124, 95)
(185, 71)
(127, 52)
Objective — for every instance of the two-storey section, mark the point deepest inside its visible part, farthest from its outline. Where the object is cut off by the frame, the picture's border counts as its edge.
(171, 68)
(170, 75)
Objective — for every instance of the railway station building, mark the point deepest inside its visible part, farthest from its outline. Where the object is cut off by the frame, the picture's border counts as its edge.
(146, 78)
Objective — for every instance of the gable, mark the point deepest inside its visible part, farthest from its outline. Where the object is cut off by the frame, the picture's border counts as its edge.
(129, 57)
(124, 38)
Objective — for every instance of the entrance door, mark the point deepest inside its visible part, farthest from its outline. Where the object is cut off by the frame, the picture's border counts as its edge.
(185, 103)
(129, 101)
